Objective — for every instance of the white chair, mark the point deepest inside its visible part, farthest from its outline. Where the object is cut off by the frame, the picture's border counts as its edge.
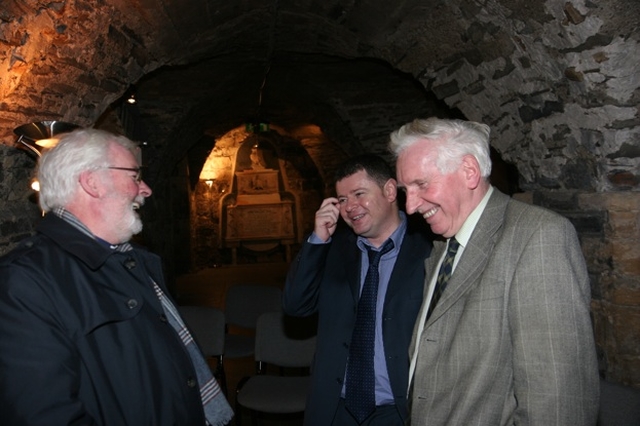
(244, 303)
(286, 392)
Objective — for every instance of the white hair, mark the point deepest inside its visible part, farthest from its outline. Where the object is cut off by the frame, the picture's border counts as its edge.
(60, 167)
(453, 140)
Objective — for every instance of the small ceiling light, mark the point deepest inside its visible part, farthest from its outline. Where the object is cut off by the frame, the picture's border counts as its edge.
(41, 134)
(131, 99)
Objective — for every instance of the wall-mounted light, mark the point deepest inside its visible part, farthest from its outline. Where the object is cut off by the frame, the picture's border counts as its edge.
(34, 137)
(209, 183)
(131, 99)
(41, 134)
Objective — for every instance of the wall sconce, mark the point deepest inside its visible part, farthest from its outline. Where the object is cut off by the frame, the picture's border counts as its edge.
(40, 135)
(209, 182)
(34, 137)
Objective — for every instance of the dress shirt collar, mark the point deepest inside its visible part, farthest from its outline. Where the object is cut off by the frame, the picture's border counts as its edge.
(397, 236)
(464, 234)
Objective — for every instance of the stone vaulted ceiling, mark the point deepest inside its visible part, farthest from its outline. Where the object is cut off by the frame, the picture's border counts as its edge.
(557, 81)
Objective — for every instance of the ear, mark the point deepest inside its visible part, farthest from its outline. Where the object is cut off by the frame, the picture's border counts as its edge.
(90, 183)
(390, 190)
(471, 171)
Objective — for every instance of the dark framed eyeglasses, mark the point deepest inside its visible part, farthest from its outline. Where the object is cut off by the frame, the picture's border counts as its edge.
(137, 171)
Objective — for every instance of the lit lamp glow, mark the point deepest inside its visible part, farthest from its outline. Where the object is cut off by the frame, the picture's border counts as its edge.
(40, 135)
(47, 143)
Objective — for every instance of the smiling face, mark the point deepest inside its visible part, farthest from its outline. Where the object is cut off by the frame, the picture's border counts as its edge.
(125, 194)
(443, 200)
(370, 210)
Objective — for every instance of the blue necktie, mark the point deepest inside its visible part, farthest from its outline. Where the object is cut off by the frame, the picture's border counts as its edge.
(444, 274)
(360, 398)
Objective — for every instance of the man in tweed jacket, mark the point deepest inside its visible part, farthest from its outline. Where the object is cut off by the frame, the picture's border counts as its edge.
(510, 341)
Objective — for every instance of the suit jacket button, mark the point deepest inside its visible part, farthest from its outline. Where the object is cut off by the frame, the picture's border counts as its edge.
(163, 318)
(132, 303)
(191, 382)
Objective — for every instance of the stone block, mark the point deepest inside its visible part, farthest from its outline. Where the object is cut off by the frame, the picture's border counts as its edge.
(624, 224)
(626, 293)
(627, 257)
(625, 323)
(587, 222)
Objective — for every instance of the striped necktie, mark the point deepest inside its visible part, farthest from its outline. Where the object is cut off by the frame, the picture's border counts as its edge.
(444, 274)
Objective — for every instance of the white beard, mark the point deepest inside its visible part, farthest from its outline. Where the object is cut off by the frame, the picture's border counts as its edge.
(129, 224)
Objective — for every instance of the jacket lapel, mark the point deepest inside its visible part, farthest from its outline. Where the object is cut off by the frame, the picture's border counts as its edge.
(408, 260)
(475, 256)
(351, 263)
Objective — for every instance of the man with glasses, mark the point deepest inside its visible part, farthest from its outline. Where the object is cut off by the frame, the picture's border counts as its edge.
(88, 332)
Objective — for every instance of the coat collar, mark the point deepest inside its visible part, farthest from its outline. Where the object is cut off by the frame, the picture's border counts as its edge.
(73, 241)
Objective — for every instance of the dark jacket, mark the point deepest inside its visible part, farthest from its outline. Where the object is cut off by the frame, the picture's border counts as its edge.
(325, 278)
(83, 338)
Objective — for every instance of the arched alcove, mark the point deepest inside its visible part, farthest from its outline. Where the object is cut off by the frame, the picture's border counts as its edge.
(248, 183)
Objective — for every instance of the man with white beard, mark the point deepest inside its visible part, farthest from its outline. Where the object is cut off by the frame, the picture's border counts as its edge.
(88, 332)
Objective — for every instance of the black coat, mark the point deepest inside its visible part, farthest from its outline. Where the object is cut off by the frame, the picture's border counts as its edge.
(83, 338)
(325, 278)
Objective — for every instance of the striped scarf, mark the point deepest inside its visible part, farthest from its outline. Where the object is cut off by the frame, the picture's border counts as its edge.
(216, 408)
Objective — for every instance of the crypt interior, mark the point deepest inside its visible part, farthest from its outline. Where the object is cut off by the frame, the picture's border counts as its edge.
(244, 108)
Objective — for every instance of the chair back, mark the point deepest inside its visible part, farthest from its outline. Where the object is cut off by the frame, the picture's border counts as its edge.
(276, 345)
(208, 327)
(246, 302)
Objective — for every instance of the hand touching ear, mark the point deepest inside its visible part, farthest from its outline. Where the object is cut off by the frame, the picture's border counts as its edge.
(326, 219)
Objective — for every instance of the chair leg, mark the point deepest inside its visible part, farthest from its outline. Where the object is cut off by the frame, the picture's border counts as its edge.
(238, 415)
(221, 376)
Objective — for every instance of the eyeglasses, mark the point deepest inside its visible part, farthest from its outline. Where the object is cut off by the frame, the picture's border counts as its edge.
(137, 171)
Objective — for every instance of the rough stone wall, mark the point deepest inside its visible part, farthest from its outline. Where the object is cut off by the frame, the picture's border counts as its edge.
(18, 213)
(611, 246)
(557, 81)
(570, 117)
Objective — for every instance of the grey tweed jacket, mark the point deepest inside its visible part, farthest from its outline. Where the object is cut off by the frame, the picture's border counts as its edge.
(511, 341)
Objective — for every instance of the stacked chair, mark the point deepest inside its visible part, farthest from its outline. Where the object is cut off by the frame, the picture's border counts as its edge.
(208, 327)
(285, 346)
(244, 303)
